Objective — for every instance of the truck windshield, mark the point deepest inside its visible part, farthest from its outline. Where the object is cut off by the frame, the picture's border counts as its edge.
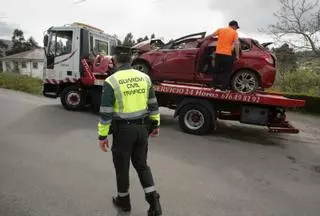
(60, 43)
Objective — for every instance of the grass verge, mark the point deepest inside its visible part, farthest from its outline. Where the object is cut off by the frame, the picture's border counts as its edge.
(20, 82)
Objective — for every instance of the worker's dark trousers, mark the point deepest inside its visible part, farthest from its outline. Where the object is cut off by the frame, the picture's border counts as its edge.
(222, 70)
(206, 59)
(131, 142)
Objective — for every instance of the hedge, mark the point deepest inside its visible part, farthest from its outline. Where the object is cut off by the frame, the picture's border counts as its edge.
(312, 103)
(20, 82)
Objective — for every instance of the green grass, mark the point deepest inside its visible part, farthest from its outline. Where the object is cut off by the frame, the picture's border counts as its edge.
(20, 82)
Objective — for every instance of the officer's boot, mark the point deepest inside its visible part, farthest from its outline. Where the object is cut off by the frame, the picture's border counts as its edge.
(155, 207)
(122, 202)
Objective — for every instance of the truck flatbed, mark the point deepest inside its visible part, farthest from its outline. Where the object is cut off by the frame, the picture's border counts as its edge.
(199, 107)
(262, 98)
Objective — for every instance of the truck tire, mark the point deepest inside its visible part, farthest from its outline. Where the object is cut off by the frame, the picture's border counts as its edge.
(142, 66)
(195, 119)
(72, 98)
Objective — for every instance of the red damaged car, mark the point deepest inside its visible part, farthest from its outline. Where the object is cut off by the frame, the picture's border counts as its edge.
(186, 59)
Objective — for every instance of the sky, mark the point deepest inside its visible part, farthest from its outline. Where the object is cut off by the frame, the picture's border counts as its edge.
(166, 18)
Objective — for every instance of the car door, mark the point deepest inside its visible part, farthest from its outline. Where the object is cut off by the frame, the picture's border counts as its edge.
(177, 62)
(201, 59)
(176, 65)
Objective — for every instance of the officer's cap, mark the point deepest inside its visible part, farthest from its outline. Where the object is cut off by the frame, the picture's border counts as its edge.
(122, 50)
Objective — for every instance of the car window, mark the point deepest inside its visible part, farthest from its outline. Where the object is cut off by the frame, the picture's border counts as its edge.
(186, 44)
(244, 46)
(188, 41)
(258, 44)
(155, 44)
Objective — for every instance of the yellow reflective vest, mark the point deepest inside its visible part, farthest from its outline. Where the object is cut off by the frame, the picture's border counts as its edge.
(127, 94)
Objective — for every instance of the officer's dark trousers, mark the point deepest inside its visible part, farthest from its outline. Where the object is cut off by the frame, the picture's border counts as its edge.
(130, 141)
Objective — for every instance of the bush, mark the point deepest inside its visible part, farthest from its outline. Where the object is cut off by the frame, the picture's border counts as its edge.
(312, 103)
(305, 82)
(21, 83)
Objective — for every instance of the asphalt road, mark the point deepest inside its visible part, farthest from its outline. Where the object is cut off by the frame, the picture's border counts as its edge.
(50, 164)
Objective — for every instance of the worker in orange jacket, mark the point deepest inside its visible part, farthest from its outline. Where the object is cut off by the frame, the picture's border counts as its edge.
(224, 59)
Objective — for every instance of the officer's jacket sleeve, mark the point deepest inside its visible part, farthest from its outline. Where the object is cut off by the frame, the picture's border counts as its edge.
(106, 110)
(153, 107)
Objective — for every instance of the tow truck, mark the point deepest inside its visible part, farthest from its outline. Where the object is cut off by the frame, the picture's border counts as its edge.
(78, 60)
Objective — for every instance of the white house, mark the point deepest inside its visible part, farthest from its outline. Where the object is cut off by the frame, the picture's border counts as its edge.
(28, 62)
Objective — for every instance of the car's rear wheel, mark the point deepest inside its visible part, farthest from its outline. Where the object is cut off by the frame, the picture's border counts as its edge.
(245, 81)
(143, 67)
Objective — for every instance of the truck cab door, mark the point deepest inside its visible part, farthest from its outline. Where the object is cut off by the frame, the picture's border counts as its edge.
(61, 60)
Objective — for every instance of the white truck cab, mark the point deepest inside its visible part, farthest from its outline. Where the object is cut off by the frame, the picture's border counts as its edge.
(65, 47)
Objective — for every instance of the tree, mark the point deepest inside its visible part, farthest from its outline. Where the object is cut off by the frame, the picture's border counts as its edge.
(128, 40)
(18, 36)
(3, 47)
(139, 40)
(20, 44)
(32, 43)
(287, 62)
(152, 36)
(300, 18)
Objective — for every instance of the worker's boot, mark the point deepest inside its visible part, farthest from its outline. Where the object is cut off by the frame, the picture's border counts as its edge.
(122, 202)
(155, 207)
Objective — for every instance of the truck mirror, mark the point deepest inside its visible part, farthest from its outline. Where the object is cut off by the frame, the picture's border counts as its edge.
(45, 40)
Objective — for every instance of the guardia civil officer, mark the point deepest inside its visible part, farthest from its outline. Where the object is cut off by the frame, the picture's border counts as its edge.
(130, 107)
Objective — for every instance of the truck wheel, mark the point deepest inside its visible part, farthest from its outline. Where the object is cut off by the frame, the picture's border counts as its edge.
(195, 119)
(245, 81)
(72, 98)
